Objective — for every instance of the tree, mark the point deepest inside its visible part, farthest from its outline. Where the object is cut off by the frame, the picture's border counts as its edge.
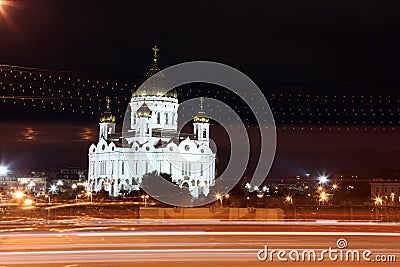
(162, 188)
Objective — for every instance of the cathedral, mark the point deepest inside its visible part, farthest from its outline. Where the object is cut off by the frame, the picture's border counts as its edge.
(150, 142)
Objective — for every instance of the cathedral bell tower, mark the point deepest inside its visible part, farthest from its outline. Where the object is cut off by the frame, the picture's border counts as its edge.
(201, 126)
(107, 122)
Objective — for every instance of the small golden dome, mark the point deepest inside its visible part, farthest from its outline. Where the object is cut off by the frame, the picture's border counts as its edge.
(107, 116)
(144, 111)
(201, 118)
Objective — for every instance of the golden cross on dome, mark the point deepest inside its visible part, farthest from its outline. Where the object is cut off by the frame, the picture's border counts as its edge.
(201, 104)
(155, 50)
(108, 102)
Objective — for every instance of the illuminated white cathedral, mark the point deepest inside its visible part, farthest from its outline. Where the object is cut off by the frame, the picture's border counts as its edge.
(151, 142)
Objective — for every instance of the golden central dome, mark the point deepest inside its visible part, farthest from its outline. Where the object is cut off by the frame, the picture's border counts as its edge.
(158, 84)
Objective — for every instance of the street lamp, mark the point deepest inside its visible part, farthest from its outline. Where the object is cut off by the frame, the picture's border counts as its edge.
(323, 197)
(323, 179)
(89, 194)
(19, 194)
(144, 198)
(219, 197)
(53, 188)
(378, 200)
(28, 202)
(48, 196)
(289, 199)
(3, 169)
(76, 198)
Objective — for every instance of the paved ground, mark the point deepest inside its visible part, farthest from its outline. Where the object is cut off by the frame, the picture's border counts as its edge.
(194, 243)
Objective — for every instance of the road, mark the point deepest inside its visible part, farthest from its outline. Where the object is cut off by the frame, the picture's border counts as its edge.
(195, 243)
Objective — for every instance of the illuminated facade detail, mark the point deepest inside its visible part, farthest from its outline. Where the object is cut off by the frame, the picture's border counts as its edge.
(151, 142)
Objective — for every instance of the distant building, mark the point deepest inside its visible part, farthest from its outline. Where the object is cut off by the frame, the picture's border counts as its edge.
(66, 178)
(385, 188)
(29, 182)
(8, 183)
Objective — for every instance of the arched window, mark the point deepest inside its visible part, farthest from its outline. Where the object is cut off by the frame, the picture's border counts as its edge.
(204, 133)
(166, 118)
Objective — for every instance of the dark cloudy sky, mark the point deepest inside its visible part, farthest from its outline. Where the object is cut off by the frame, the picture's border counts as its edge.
(344, 47)
(279, 42)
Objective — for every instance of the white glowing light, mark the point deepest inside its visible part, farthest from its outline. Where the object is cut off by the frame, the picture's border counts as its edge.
(53, 188)
(3, 169)
(323, 179)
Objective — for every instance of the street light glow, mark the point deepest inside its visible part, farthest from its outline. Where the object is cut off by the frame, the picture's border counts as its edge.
(53, 188)
(19, 194)
(378, 200)
(28, 202)
(323, 179)
(3, 169)
(323, 197)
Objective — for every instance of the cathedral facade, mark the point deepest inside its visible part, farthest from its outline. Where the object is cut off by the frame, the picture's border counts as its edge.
(150, 142)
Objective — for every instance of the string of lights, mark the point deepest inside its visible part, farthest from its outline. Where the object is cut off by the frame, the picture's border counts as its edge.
(25, 89)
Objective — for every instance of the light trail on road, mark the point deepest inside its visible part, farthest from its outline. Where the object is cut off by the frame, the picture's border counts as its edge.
(144, 244)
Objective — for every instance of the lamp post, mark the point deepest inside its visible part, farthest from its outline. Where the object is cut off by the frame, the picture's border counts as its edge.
(323, 198)
(76, 198)
(221, 197)
(89, 194)
(144, 198)
(289, 199)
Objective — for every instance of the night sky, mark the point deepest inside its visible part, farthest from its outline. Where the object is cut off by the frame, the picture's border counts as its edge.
(329, 70)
